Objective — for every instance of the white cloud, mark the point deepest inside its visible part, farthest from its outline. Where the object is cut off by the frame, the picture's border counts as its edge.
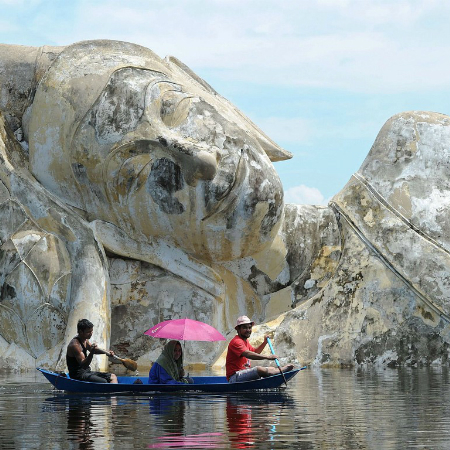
(304, 195)
(357, 45)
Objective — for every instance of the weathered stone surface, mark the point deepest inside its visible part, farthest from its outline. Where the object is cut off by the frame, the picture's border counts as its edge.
(51, 268)
(131, 192)
(386, 294)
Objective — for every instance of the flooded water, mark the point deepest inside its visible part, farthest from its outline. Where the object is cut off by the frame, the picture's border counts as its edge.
(321, 409)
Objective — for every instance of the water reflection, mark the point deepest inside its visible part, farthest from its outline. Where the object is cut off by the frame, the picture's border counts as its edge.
(239, 419)
(86, 419)
(170, 412)
(198, 422)
(203, 440)
(326, 409)
(80, 426)
(243, 418)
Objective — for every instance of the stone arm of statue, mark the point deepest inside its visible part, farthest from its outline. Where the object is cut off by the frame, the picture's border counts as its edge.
(48, 289)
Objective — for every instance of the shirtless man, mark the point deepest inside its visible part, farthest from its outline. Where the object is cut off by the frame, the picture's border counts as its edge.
(78, 361)
(240, 352)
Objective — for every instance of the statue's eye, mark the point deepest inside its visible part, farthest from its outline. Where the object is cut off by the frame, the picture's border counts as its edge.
(133, 173)
(127, 168)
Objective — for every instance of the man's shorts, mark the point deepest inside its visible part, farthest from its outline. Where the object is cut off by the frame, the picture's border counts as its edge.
(244, 375)
(96, 377)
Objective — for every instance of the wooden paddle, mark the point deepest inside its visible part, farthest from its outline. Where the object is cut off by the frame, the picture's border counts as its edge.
(276, 361)
(128, 363)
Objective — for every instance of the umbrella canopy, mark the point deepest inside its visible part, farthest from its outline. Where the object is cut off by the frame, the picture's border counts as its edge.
(185, 330)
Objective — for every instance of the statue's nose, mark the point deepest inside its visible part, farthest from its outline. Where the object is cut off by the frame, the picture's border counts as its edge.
(198, 162)
(206, 165)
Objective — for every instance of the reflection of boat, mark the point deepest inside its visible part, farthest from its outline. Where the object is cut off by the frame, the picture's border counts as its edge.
(202, 384)
(244, 412)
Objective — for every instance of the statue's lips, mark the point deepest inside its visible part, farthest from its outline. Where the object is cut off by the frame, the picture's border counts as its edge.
(233, 191)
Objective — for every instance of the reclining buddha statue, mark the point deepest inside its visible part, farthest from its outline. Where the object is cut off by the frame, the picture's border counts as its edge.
(132, 192)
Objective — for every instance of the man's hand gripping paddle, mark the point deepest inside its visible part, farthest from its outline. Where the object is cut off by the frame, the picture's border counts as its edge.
(276, 361)
(128, 363)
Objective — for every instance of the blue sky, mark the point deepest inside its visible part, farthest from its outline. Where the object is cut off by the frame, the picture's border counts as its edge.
(319, 77)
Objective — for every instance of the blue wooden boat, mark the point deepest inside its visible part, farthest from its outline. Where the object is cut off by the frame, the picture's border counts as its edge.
(201, 384)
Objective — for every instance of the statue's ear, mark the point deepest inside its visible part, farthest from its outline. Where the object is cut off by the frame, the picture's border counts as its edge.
(273, 150)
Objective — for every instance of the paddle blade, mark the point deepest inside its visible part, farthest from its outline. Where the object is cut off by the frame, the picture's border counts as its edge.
(129, 364)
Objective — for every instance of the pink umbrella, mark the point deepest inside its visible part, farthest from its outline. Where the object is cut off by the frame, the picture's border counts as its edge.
(185, 330)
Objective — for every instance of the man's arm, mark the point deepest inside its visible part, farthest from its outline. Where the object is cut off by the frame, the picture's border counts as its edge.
(98, 351)
(256, 354)
(252, 355)
(262, 346)
(76, 351)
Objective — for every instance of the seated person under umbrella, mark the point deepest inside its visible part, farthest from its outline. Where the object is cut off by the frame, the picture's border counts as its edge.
(168, 368)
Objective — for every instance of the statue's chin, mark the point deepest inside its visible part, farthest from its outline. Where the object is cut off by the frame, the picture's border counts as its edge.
(225, 252)
(213, 242)
(216, 242)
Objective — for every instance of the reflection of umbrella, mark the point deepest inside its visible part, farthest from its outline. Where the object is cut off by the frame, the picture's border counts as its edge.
(185, 330)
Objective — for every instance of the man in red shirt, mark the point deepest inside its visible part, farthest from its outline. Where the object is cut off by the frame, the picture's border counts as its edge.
(240, 352)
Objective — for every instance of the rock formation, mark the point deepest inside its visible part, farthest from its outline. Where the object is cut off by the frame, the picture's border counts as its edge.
(131, 193)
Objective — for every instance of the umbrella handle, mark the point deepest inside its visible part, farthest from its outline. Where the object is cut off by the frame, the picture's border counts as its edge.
(276, 360)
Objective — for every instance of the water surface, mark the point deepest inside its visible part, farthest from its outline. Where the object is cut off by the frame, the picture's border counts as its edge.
(321, 409)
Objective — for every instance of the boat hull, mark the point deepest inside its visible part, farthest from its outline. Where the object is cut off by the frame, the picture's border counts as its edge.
(201, 384)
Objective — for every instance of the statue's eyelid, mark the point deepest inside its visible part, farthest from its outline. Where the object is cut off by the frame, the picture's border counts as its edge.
(183, 99)
(151, 86)
(180, 98)
(177, 102)
(153, 97)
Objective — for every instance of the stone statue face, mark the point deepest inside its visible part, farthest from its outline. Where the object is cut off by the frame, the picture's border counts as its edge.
(160, 156)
